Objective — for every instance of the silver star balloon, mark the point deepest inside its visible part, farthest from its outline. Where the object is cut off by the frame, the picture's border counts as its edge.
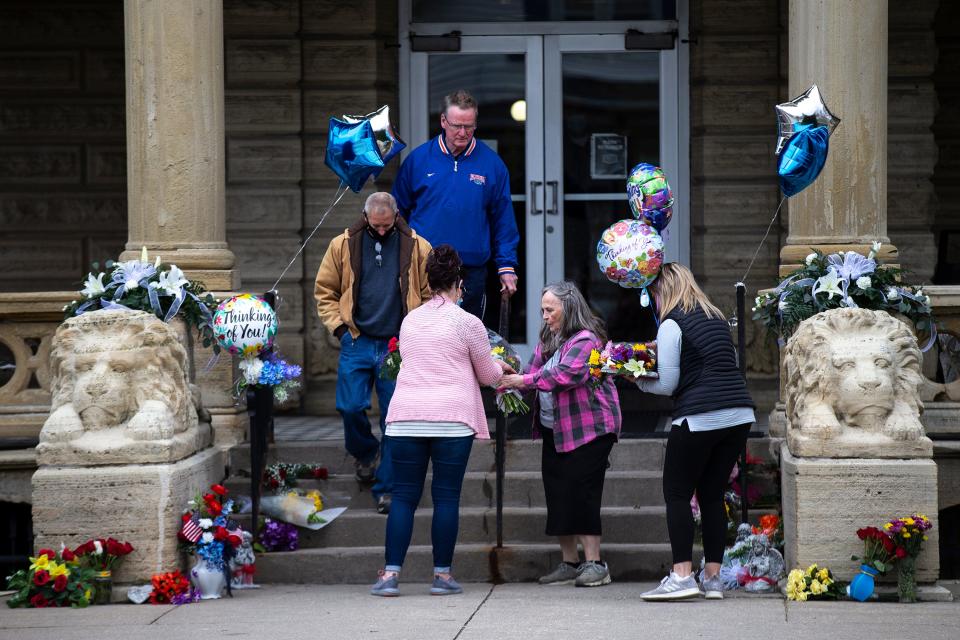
(387, 139)
(807, 109)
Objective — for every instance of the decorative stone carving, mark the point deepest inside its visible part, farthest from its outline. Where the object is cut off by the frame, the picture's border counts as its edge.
(120, 393)
(852, 387)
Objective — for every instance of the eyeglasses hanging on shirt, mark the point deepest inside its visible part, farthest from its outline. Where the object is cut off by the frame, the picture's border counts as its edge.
(379, 257)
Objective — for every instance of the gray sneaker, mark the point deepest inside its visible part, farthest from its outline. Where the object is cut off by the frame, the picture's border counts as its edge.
(443, 587)
(713, 587)
(593, 574)
(563, 574)
(388, 586)
(673, 587)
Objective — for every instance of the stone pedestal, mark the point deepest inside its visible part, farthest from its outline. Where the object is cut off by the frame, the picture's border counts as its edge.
(825, 501)
(139, 503)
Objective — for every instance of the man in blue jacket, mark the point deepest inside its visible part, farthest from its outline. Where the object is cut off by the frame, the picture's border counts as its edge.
(454, 189)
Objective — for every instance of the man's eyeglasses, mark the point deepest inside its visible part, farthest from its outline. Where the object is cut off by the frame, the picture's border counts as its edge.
(462, 127)
(379, 258)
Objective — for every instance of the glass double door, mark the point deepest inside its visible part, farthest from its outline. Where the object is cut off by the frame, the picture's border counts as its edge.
(569, 115)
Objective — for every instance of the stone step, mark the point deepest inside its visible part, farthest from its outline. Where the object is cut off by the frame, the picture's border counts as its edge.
(642, 454)
(520, 489)
(366, 527)
(471, 563)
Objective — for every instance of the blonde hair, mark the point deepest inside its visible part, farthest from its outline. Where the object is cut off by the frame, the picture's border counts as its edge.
(676, 287)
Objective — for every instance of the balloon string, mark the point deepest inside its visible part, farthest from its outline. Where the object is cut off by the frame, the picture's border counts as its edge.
(760, 246)
(341, 191)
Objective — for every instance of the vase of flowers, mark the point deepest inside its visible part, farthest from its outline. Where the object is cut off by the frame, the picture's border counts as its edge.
(908, 533)
(268, 370)
(845, 279)
(102, 557)
(210, 535)
(154, 287)
(52, 580)
(879, 554)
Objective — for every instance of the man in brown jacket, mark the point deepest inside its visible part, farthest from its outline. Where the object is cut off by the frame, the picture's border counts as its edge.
(371, 276)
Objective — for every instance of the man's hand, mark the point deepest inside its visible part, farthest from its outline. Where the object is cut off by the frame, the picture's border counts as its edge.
(508, 283)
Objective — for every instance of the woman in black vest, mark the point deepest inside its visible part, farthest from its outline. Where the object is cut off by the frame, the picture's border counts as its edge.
(712, 414)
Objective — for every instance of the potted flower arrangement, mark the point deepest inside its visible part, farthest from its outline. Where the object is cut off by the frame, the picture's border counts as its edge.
(268, 370)
(102, 556)
(154, 287)
(879, 554)
(842, 280)
(908, 533)
(52, 580)
(171, 588)
(208, 534)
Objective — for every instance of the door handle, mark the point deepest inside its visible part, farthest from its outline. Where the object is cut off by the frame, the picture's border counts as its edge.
(555, 186)
(533, 198)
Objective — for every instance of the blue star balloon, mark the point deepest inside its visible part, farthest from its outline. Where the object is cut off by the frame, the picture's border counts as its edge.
(802, 159)
(352, 152)
(388, 141)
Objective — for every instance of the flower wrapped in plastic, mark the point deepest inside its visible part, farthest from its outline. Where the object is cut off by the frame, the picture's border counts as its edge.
(509, 401)
(632, 360)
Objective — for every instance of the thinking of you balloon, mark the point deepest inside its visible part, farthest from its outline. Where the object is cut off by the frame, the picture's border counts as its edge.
(245, 325)
(630, 253)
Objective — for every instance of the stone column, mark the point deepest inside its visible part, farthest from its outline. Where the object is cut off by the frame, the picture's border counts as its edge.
(175, 162)
(841, 46)
(175, 137)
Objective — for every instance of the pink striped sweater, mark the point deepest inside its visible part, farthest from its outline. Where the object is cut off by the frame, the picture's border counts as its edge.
(446, 357)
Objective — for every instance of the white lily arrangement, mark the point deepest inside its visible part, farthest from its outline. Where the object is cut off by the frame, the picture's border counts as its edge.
(845, 279)
(142, 285)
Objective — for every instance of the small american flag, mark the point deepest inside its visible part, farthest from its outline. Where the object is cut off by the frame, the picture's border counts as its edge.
(191, 530)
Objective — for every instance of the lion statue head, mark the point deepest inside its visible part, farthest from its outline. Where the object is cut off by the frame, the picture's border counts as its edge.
(853, 375)
(120, 389)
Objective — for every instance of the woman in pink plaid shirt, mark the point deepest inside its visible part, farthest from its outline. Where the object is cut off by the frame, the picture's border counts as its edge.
(579, 425)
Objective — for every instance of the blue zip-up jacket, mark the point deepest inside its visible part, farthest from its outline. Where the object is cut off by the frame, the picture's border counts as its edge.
(460, 200)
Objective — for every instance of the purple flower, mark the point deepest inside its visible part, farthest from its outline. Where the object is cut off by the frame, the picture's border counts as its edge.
(279, 536)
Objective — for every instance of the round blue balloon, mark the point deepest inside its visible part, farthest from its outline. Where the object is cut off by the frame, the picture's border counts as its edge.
(352, 152)
(802, 159)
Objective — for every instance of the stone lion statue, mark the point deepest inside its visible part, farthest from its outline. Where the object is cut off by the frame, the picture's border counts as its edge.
(121, 394)
(852, 387)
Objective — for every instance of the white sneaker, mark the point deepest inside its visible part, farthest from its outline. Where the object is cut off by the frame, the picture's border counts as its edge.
(673, 587)
(712, 587)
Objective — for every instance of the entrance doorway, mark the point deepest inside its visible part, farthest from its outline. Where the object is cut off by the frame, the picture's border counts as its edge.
(570, 108)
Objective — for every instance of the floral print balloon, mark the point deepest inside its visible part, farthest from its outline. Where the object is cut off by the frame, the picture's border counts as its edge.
(630, 253)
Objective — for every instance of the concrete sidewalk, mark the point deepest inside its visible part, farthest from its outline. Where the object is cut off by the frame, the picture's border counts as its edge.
(484, 611)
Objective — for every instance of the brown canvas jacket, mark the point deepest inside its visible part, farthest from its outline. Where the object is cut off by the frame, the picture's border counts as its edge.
(337, 286)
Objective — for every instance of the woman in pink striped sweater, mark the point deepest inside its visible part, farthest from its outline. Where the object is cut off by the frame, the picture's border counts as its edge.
(435, 414)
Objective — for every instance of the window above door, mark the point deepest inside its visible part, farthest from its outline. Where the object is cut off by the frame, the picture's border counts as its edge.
(542, 10)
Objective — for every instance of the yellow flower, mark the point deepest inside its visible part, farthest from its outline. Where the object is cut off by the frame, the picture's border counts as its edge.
(811, 569)
(924, 537)
(497, 351)
(595, 357)
(908, 521)
(816, 588)
(906, 534)
(41, 562)
(317, 499)
(58, 570)
(801, 596)
(887, 526)
(823, 575)
(86, 594)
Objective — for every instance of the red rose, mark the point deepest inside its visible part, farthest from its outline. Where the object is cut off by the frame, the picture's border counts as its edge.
(901, 553)
(185, 518)
(282, 473)
(214, 508)
(181, 537)
(60, 583)
(220, 534)
(219, 489)
(127, 548)
(50, 553)
(393, 345)
(320, 473)
(41, 577)
(273, 483)
(888, 545)
(39, 601)
(112, 547)
(234, 540)
(209, 498)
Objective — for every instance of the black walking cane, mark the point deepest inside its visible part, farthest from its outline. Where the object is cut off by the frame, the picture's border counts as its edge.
(742, 361)
(500, 452)
(260, 410)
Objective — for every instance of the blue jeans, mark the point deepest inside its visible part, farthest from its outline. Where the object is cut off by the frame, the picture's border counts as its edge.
(357, 373)
(410, 458)
(475, 294)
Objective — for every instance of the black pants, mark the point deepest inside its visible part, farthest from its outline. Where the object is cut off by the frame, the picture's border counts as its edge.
(699, 461)
(475, 290)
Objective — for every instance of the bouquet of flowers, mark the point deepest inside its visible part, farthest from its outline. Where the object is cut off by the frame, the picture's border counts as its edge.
(282, 477)
(815, 583)
(172, 588)
(206, 529)
(102, 555)
(626, 359)
(52, 580)
(841, 280)
(879, 549)
(139, 285)
(279, 536)
(771, 527)
(509, 401)
(269, 370)
(390, 367)
(908, 533)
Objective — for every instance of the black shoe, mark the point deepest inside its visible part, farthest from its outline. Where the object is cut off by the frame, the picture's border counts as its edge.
(383, 504)
(366, 472)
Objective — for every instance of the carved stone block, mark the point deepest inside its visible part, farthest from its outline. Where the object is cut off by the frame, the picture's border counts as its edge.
(852, 387)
